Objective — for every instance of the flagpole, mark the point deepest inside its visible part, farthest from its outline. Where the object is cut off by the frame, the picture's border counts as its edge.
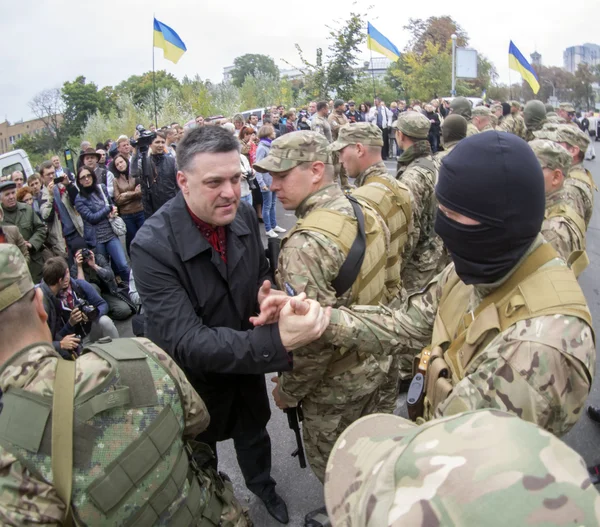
(154, 74)
(373, 74)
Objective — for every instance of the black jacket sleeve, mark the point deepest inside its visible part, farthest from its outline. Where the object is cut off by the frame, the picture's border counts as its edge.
(174, 325)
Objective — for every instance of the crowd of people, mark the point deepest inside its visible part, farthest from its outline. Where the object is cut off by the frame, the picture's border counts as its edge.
(455, 280)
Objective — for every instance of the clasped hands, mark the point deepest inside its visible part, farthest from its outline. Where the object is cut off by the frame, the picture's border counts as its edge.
(301, 321)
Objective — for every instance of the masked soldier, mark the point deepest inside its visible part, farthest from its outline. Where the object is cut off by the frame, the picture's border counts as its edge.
(462, 106)
(535, 118)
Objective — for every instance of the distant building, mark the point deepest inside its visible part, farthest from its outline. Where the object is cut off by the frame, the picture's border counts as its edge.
(587, 54)
(11, 133)
(377, 65)
(536, 58)
(227, 73)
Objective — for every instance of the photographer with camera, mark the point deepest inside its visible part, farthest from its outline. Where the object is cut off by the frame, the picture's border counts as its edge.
(156, 170)
(95, 270)
(75, 311)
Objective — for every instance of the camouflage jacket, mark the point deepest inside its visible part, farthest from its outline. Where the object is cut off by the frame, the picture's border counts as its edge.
(488, 128)
(520, 127)
(309, 262)
(335, 121)
(561, 231)
(424, 254)
(582, 192)
(438, 156)
(27, 499)
(321, 125)
(508, 124)
(471, 129)
(540, 369)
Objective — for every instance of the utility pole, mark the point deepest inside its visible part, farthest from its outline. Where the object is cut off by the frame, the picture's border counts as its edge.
(453, 92)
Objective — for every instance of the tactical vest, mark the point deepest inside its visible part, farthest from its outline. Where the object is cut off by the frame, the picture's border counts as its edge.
(341, 229)
(130, 465)
(577, 260)
(583, 174)
(460, 337)
(392, 203)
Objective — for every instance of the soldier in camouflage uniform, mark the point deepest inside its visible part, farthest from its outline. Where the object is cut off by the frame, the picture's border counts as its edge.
(506, 325)
(566, 111)
(462, 106)
(133, 421)
(359, 146)
(424, 254)
(454, 130)
(535, 118)
(335, 389)
(563, 226)
(319, 122)
(337, 119)
(579, 183)
(482, 118)
(513, 123)
(471, 469)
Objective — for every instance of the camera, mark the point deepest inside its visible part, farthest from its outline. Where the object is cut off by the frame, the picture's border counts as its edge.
(144, 140)
(91, 312)
(58, 179)
(85, 254)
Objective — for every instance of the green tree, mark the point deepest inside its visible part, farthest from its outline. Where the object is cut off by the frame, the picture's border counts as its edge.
(81, 100)
(436, 30)
(252, 64)
(39, 147)
(344, 49)
(363, 90)
(315, 75)
(583, 93)
(196, 93)
(141, 87)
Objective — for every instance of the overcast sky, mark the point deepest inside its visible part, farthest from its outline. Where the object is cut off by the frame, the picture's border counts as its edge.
(48, 43)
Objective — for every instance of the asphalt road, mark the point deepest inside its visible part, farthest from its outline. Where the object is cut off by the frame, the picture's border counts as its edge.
(303, 492)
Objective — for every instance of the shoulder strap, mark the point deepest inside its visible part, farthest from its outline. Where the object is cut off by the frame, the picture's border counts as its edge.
(425, 163)
(583, 174)
(351, 267)
(62, 433)
(404, 195)
(565, 211)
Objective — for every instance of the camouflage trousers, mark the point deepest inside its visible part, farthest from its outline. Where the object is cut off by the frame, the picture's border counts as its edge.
(324, 423)
(341, 176)
(387, 396)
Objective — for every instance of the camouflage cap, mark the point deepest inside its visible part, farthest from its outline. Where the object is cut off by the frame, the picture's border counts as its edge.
(551, 155)
(413, 124)
(515, 104)
(461, 106)
(567, 107)
(564, 133)
(482, 111)
(495, 107)
(484, 467)
(553, 117)
(363, 133)
(293, 149)
(15, 280)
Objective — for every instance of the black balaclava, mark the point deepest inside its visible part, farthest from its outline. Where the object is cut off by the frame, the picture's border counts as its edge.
(496, 179)
(505, 109)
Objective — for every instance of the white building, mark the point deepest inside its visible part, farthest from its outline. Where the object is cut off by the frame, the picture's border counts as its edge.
(587, 54)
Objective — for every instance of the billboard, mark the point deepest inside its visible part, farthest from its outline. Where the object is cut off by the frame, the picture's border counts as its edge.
(466, 63)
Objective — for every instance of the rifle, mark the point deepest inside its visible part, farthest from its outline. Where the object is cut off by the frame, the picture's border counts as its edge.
(294, 415)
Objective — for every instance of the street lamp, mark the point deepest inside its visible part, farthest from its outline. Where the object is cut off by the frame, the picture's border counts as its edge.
(553, 87)
(453, 37)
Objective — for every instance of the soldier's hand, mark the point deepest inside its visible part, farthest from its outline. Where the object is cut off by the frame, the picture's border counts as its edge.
(302, 321)
(276, 396)
(70, 342)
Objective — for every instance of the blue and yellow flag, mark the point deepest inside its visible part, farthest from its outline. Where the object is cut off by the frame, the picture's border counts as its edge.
(377, 42)
(167, 40)
(517, 62)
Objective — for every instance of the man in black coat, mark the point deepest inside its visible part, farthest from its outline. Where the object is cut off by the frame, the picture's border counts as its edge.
(199, 266)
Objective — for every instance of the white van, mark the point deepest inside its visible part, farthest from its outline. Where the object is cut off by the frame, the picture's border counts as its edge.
(15, 160)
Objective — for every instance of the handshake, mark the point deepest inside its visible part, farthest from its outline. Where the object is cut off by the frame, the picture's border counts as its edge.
(301, 321)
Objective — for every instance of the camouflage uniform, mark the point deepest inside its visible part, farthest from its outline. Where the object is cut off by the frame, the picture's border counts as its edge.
(398, 222)
(476, 468)
(535, 118)
(28, 492)
(483, 111)
(321, 125)
(579, 184)
(569, 108)
(462, 106)
(424, 254)
(513, 123)
(454, 130)
(332, 397)
(563, 227)
(540, 369)
(336, 121)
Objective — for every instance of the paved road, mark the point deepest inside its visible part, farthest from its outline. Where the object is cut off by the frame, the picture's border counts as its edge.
(301, 489)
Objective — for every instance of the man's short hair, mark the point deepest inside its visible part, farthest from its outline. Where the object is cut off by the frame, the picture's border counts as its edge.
(162, 134)
(32, 178)
(122, 139)
(54, 270)
(202, 140)
(46, 165)
(266, 130)
(321, 105)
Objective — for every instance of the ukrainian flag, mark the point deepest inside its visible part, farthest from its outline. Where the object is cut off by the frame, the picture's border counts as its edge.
(377, 42)
(167, 40)
(517, 62)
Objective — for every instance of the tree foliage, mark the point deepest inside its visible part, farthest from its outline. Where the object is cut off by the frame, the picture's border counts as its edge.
(141, 87)
(436, 30)
(252, 64)
(48, 106)
(81, 100)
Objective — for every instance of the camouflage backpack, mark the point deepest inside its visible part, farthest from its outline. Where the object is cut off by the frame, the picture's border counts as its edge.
(119, 445)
